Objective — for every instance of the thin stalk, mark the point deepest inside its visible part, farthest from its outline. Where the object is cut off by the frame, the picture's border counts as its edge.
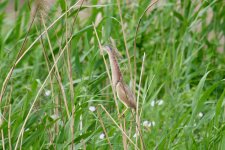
(121, 129)
(3, 139)
(138, 129)
(125, 42)
(70, 77)
(135, 41)
(9, 127)
(104, 129)
(57, 70)
(70, 73)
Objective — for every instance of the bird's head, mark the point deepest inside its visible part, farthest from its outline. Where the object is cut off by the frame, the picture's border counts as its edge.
(107, 48)
(111, 50)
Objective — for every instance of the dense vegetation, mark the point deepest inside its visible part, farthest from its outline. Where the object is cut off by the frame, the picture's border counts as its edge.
(53, 84)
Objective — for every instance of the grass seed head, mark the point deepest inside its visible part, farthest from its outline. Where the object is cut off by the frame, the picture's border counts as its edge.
(41, 7)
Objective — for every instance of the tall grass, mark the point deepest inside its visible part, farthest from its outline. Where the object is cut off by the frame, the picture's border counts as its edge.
(55, 87)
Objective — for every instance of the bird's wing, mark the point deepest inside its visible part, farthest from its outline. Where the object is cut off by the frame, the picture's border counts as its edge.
(125, 95)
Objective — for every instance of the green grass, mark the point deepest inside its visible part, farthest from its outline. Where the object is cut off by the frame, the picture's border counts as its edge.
(184, 66)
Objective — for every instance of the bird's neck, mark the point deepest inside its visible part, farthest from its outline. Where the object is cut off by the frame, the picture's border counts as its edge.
(116, 74)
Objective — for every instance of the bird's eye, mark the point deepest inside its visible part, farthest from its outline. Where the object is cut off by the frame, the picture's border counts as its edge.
(108, 47)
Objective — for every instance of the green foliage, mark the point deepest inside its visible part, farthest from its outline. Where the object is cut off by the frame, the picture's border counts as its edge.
(184, 67)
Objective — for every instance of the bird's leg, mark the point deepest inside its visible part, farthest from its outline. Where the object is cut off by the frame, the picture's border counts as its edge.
(122, 114)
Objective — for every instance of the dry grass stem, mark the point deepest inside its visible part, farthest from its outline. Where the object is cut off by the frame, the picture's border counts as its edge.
(104, 129)
(135, 40)
(9, 127)
(138, 129)
(121, 129)
(125, 42)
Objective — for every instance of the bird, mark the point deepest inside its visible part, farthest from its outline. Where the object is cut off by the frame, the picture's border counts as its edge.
(123, 91)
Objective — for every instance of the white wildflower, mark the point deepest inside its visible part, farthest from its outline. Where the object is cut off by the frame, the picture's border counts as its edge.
(102, 136)
(153, 103)
(47, 93)
(151, 124)
(148, 123)
(200, 114)
(160, 102)
(135, 135)
(92, 108)
(145, 123)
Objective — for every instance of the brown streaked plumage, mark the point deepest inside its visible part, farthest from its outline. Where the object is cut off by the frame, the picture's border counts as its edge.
(123, 91)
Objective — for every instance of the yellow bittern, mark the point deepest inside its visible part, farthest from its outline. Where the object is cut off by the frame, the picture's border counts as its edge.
(123, 91)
